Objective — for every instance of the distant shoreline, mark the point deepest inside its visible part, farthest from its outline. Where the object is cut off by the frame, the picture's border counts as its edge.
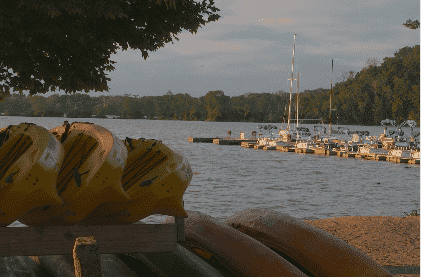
(157, 119)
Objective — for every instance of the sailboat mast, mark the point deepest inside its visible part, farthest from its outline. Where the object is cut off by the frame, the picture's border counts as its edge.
(298, 85)
(330, 101)
(292, 78)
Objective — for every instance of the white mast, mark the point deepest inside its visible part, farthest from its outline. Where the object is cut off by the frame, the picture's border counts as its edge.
(292, 78)
(298, 85)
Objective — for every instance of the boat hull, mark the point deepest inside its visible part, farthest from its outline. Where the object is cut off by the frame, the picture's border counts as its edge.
(92, 150)
(30, 157)
(317, 251)
(170, 173)
(234, 251)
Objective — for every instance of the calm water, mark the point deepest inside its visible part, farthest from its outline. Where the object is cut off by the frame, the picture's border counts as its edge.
(228, 179)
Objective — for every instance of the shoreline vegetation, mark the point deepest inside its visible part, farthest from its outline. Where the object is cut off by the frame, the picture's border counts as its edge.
(390, 90)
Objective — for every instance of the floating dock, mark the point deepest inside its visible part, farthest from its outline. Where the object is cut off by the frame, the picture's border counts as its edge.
(349, 155)
(358, 151)
(320, 151)
(232, 141)
(205, 140)
(304, 150)
(414, 161)
(247, 144)
(340, 153)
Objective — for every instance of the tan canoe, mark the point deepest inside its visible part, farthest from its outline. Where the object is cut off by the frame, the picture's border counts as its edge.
(319, 252)
(235, 252)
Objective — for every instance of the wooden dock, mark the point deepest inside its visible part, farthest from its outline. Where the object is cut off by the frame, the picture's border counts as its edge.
(381, 157)
(375, 155)
(232, 141)
(319, 151)
(395, 159)
(282, 148)
(330, 152)
(204, 140)
(267, 147)
(349, 155)
(246, 144)
(371, 156)
(340, 153)
(414, 161)
(360, 156)
(304, 151)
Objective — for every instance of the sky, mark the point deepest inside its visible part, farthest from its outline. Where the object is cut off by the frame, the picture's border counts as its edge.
(250, 48)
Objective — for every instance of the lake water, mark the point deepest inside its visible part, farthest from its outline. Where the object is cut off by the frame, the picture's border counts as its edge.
(228, 179)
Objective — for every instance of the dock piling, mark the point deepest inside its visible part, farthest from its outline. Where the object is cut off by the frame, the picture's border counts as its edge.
(86, 258)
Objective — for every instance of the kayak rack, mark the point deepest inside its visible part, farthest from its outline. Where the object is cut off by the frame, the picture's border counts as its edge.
(86, 243)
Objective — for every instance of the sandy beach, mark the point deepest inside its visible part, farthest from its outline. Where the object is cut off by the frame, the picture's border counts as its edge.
(390, 241)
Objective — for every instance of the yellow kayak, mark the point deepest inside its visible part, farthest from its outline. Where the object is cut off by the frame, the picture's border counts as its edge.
(30, 160)
(155, 178)
(90, 174)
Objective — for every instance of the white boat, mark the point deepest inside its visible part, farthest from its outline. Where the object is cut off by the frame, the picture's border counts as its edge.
(266, 134)
(400, 153)
(415, 154)
(367, 150)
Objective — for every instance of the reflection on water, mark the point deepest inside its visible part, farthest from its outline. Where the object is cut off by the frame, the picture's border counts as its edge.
(228, 179)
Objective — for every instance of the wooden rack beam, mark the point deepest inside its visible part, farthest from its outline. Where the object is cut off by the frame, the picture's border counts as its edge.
(111, 239)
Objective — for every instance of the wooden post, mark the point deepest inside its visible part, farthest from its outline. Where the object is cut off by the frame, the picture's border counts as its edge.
(180, 228)
(179, 225)
(86, 258)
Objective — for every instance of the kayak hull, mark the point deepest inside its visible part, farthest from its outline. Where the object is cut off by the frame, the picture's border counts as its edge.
(98, 157)
(169, 174)
(30, 157)
(236, 253)
(319, 252)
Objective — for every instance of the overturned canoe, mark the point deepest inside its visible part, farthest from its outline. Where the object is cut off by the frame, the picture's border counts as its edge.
(30, 158)
(92, 150)
(63, 266)
(177, 263)
(155, 178)
(308, 247)
(237, 254)
(21, 266)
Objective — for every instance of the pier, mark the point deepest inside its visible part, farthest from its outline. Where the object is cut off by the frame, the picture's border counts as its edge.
(203, 140)
(236, 141)
(228, 140)
(373, 152)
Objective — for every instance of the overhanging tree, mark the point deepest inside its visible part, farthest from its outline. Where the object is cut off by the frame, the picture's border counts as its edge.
(411, 24)
(66, 44)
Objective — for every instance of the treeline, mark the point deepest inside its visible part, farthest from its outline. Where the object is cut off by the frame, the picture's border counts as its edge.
(390, 90)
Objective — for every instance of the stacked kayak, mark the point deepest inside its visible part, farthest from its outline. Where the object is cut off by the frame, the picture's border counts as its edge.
(30, 159)
(81, 173)
(89, 175)
(155, 178)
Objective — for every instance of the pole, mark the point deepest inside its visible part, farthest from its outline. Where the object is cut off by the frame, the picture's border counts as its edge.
(298, 85)
(330, 101)
(292, 78)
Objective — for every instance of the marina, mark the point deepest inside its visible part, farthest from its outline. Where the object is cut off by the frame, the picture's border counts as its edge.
(379, 148)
